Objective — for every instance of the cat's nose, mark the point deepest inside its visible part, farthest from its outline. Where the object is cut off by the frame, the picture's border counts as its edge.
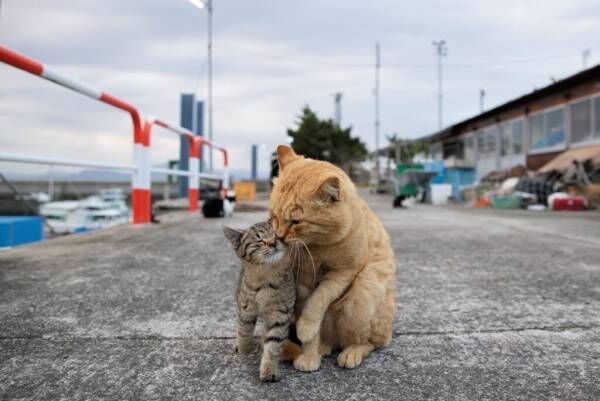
(270, 241)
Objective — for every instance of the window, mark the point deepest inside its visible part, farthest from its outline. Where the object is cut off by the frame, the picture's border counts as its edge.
(537, 131)
(517, 137)
(581, 121)
(469, 148)
(486, 142)
(505, 134)
(480, 143)
(547, 129)
(555, 130)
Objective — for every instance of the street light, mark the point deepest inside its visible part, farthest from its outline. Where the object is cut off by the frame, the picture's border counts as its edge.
(208, 5)
(442, 51)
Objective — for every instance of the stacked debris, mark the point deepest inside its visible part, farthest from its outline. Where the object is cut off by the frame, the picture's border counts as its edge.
(502, 175)
(571, 181)
(576, 173)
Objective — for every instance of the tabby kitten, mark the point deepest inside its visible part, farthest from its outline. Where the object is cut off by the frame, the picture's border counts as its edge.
(266, 289)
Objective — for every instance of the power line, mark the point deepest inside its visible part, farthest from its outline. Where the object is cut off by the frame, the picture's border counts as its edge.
(468, 64)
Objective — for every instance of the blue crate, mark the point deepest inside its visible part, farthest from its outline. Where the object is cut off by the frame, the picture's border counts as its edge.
(438, 167)
(19, 230)
(459, 177)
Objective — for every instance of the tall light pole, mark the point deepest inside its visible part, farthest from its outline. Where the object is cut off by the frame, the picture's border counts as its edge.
(585, 55)
(337, 108)
(441, 51)
(481, 98)
(376, 93)
(208, 5)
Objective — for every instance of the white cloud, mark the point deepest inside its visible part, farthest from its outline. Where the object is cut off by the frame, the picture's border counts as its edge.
(272, 58)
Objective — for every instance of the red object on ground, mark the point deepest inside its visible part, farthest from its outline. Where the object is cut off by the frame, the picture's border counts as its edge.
(573, 203)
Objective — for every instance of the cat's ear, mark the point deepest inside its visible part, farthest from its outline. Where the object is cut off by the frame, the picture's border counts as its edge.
(285, 155)
(330, 188)
(234, 236)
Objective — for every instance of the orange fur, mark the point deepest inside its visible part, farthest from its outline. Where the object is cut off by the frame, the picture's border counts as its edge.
(351, 305)
(290, 351)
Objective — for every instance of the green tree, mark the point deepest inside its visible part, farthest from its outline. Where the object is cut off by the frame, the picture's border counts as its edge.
(325, 140)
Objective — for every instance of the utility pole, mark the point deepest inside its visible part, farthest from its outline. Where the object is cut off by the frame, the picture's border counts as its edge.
(254, 165)
(441, 51)
(481, 98)
(209, 10)
(586, 56)
(376, 93)
(337, 113)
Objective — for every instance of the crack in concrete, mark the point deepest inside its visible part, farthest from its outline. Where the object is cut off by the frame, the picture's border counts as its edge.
(556, 329)
(552, 329)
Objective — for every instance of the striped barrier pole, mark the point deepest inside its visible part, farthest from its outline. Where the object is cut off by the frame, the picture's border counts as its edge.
(194, 179)
(141, 183)
(141, 194)
(195, 146)
(225, 184)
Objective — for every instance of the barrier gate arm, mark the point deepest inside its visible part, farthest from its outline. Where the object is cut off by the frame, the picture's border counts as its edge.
(140, 194)
(195, 146)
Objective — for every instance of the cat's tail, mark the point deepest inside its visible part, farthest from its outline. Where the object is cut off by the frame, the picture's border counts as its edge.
(290, 351)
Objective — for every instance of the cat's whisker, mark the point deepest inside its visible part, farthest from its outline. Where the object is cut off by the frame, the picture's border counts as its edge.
(294, 256)
(312, 261)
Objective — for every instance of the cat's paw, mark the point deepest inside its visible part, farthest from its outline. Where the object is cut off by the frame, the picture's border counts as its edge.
(269, 373)
(306, 330)
(307, 363)
(350, 358)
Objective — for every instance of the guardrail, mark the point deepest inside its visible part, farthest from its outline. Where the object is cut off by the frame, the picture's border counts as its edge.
(195, 145)
(140, 170)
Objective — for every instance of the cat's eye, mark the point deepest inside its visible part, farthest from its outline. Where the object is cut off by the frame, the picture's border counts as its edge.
(295, 222)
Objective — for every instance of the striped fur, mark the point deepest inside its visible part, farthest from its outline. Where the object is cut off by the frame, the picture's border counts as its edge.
(266, 290)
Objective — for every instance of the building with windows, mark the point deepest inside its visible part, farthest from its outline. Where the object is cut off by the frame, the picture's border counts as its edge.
(530, 130)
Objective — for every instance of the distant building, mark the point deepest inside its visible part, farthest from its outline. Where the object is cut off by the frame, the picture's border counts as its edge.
(529, 130)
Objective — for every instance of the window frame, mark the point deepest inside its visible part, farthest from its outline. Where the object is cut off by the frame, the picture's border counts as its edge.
(485, 132)
(594, 124)
(472, 136)
(510, 122)
(520, 119)
(546, 149)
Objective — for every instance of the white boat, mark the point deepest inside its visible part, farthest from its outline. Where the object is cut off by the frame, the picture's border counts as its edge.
(91, 213)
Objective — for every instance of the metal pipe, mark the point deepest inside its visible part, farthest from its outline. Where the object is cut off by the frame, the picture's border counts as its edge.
(54, 161)
(167, 171)
(210, 79)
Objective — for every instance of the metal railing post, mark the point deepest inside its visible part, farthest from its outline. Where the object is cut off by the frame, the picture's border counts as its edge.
(141, 196)
(141, 200)
(226, 182)
(194, 169)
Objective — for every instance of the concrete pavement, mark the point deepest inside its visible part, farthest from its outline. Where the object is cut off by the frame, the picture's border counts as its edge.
(491, 305)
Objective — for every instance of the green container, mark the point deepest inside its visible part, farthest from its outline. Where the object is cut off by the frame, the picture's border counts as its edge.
(402, 167)
(507, 202)
(403, 187)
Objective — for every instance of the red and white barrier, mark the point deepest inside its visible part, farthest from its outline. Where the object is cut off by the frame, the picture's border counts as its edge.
(195, 146)
(141, 180)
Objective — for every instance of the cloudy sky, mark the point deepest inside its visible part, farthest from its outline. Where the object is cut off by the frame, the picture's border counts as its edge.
(270, 59)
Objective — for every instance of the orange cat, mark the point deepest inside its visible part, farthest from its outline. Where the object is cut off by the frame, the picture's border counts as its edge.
(348, 302)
